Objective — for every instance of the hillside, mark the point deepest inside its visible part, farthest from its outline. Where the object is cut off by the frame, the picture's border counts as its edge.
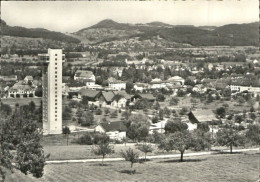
(16, 31)
(232, 35)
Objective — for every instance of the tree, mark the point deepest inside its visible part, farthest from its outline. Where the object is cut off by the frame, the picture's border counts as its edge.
(66, 113)
(22, 136)
(145, 148)
(114, 114)
(130, 155)
(180, 140)
(238, 118)
(103, 148)
(142, 104)
(184, 111)
(66, 132)
(229, 136)
(32, 106)
(129, 87)
(167, 112)
(157, 106)
(126, 114)
(137, 127)
(221, 112)
(241, 100)
(124, 140)
(73, 104)
(253, 133)
(201, 139)
(160, 97)
(107, 111)
(161, 114)
(5, 109)
(174, 126)
(87, 119)
(98, 112)
(84, 102)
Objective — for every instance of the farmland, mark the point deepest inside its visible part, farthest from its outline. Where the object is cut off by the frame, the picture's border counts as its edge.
(222, 167)
(22, 101)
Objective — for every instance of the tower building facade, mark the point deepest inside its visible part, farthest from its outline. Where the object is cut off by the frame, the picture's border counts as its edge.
(52, 90)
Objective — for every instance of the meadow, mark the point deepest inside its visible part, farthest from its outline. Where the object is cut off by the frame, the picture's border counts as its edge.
(238, 167)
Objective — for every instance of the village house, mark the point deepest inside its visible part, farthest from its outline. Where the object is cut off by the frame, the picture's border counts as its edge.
(149, 97)
(114, 84)
(140, 87)
(83, 75)
(246, 85)
(106, 98)
(176, 80)
(201, 116)
(115, 130)
(157, 84)
(20, 91)
(28, 79)
(92, 95)
(121, 99)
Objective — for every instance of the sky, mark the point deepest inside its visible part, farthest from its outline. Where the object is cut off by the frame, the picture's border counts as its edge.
(71, 16)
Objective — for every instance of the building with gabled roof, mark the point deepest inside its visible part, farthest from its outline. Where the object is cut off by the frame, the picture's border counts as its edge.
(115, 130)
(201, 116)
(92, 95)
(84, 75)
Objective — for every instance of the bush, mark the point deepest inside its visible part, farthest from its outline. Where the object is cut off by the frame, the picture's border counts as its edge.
(86, 139)
(98, 112)
(100, 137)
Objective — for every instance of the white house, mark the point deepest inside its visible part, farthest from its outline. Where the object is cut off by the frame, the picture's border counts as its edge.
(84, 75)
(176, 80)
(116, 84)
(115, 130)
(21, 91)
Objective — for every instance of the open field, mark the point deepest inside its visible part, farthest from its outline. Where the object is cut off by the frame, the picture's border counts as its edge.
(186, 102)
(216, 168)
(22, 101)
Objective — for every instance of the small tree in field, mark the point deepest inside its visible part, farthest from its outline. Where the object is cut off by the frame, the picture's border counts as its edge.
(180, 140)
(229, 136)
(103, 148)
(84, 102)
(107, 111)
(130, 155)
(145, 148)
(124, 139)
(66, 132)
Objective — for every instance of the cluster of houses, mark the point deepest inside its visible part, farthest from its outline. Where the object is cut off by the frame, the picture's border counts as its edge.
(113, 99)
(23, 88)
(117, 129)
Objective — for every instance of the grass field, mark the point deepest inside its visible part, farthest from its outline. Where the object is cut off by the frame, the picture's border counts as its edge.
(21, 101)
(216, 168)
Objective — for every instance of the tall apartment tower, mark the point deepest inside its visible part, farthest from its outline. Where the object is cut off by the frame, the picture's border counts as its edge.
(52, 91)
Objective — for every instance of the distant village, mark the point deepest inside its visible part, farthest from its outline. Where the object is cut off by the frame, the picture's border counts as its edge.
(140, 83)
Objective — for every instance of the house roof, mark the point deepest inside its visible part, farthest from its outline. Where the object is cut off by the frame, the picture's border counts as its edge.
(147, 96)
(123, 93)
(204, 115)
(83, 73)
(175, 78)
(29, 77)
(113, 126)
(21, 87)
(108, 96)
(89, 93)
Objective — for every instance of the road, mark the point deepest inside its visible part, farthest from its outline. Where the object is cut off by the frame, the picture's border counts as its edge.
(149, 157)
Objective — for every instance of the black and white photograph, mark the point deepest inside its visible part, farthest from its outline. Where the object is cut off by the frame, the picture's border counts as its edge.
(123, 91)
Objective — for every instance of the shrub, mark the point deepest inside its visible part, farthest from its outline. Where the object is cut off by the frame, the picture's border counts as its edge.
(100, 137)
(86, 139)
